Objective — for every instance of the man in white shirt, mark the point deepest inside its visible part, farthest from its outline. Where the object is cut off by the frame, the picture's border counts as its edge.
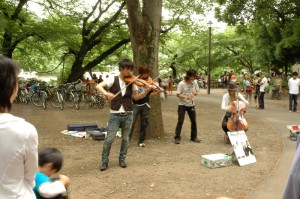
(186, 90)
(262, 89)
(294, 84)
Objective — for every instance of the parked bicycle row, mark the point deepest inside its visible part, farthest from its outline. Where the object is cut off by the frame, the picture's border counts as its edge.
(73, 95)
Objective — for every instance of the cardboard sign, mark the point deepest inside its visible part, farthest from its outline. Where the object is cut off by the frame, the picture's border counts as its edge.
(216, 160)
(241, 147)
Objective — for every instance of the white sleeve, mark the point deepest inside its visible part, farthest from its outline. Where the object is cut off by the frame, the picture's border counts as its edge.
(225, 101)
(31, 157)
(109, 81)
(52, 189)
(196, 86)
(243, 99)
(179, 88)
(134, 87)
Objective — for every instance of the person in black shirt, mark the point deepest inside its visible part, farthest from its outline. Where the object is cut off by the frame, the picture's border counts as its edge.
(141, 107)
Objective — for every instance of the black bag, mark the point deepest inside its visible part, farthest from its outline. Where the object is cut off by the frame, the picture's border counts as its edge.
(81, 127)
(96, 133)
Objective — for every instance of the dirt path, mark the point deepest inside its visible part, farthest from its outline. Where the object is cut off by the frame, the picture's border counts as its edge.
(161, 169)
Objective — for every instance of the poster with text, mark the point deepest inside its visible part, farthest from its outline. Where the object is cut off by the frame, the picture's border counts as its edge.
(241, 147)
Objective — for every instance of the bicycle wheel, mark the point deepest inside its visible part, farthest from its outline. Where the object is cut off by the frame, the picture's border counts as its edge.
(92, 101)
(55, 101)
(76, 100)
(44, 99)
(36, 99)
(100, 101)
(69, 100)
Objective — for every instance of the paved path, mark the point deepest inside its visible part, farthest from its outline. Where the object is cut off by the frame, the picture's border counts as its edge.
(276, 113)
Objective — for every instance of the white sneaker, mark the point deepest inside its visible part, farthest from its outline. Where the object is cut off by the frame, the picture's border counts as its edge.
(142, 144)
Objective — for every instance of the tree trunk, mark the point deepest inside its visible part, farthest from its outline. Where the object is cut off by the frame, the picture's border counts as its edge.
(144, 26)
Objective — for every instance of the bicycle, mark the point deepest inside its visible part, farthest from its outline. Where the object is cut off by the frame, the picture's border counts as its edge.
(39, 96)
(63, 96)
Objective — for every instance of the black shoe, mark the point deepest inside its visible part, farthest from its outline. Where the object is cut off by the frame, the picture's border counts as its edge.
(177, 141)
(104, 166)
(122, 164)
(196, 140)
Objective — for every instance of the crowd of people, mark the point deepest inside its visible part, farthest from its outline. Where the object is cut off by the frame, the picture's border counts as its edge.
(26, 171)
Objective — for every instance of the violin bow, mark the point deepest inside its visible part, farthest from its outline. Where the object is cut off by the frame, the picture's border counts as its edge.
(125, 86)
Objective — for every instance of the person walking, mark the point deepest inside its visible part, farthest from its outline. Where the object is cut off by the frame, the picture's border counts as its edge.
(247, 88)
(262, 90)
(186, 91)
(142, 107)
(293, 85)
(18, 140)
(170, 85)
(256, 86)
(120, 97)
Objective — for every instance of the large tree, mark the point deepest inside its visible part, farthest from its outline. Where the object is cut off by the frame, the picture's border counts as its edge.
(275, 25)
(144, 22)
(101, 35)
(16, 25)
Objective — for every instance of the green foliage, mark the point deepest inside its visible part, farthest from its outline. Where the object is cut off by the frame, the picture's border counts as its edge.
(274, 24)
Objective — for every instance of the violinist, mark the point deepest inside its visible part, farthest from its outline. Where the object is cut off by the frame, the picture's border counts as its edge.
(228, 98)
(141, 106)
(120, 95)
(186, 91)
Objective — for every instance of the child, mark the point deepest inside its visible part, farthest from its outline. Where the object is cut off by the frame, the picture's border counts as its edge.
(50, 162)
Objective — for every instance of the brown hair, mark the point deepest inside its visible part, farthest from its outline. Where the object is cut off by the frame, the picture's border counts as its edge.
(143, 70)
(9, 71)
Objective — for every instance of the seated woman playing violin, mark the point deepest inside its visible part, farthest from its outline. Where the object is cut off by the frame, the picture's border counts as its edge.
(141, 106)
(232, 108)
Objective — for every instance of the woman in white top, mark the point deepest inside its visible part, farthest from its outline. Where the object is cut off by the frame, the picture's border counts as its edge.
(18, 140)
(228, 98)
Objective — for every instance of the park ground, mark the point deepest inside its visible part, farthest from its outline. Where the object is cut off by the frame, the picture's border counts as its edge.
(162, 169)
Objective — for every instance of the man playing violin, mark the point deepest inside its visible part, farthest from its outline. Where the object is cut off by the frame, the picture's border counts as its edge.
(228, 98)
(120, 95)
(186, 90)
(141, 106)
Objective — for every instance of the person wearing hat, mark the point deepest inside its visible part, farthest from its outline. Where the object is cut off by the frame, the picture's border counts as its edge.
(228, 98)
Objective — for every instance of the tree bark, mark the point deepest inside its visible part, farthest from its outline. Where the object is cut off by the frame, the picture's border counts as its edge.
(145, 26)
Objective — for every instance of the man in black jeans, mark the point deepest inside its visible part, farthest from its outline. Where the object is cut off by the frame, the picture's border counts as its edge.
(141, 106)
(262, 89)
(186, 91)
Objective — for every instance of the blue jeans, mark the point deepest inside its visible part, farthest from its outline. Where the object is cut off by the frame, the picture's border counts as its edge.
(293, 98)
(192, 114)
(143, 111)
(115, 122)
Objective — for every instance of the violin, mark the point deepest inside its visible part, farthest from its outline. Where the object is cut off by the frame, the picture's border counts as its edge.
(150, 81)
(141, 82)
(237, 121)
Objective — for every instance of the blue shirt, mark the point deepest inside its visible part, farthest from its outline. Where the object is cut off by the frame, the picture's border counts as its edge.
(40, 178)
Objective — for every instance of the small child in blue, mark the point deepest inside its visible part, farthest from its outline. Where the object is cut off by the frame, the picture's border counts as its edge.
(50, 162)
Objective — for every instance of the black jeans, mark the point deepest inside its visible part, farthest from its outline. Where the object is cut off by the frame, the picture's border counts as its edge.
(293, 98)
(261, 100)
(192, 114)
(143, 111)
(224, 124)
